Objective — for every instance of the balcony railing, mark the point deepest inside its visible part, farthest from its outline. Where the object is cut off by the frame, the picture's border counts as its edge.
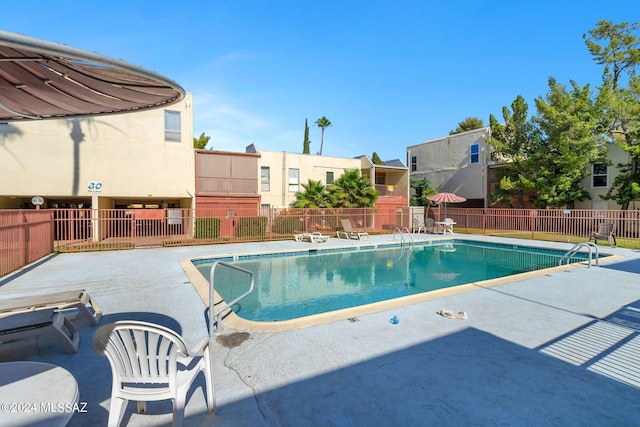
(211, 186)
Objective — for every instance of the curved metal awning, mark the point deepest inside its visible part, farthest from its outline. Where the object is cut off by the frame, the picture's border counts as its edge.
(46, 80)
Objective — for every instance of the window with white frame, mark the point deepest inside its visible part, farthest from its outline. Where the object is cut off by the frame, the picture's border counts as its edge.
(172, 128)
(294, 179)
(265, 178)
(600, 175)
(474, 153)
(414, 163)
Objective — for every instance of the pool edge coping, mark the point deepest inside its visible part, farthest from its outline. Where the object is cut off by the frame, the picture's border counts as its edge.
(233, 321)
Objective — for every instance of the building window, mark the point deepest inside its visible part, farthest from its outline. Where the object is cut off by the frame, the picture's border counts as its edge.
(329, 178)
(380, 179)
(414, 163)
(172, 126)
(600, 175)
(265, 179)
(474, 153)
(294, 179)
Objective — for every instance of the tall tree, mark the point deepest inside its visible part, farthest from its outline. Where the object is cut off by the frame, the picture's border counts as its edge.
(322, 123)
(513, 144)
(470, 123)
(549, 155)
(376, 159)
(306, 143)
(352, 190)
(314, 195)
(617, 47)
(421, 189)
(201, 142)
(569, 144)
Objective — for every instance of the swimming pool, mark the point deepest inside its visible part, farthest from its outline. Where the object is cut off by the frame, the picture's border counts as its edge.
(294, 285)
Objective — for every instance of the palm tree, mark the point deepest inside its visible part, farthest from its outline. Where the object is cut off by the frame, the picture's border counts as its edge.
(322, 122)
(352, 190)
(313, 196)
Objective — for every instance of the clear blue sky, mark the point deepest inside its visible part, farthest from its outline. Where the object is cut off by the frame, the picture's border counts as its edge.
(388, 74)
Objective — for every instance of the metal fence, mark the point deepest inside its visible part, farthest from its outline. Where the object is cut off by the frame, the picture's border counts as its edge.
(107, 229)
(547, 224)
(27, 235)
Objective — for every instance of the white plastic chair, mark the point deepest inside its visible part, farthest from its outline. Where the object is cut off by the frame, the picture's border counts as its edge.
(448, 225)
(430, 226)
(150, 362)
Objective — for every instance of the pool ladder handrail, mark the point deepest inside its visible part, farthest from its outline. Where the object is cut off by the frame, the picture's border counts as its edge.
(214, 316)
(401, 231)
(574, 250)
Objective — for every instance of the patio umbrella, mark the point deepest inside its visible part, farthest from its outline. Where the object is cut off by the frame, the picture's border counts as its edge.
(446, 198)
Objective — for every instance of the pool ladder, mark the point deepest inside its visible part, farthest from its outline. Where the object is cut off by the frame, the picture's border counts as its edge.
(214, 315)
(401, 232)
(574, 250)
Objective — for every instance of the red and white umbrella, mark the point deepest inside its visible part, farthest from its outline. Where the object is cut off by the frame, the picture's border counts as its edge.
(446, 198)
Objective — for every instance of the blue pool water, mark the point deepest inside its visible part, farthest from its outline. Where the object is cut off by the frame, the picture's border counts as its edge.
(291, 286)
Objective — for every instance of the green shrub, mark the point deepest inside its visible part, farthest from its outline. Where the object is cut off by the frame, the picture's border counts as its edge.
(252, 227)
(286, 224)
(207, 228)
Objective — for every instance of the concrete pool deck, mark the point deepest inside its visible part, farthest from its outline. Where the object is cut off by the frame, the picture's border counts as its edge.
(558, 348)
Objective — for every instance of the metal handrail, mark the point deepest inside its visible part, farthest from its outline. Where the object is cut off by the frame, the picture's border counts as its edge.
(574, 250)
(408, 234)
(401, 231)
(216, 314)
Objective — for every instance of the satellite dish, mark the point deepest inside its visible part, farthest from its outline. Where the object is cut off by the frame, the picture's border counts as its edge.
(37, 200)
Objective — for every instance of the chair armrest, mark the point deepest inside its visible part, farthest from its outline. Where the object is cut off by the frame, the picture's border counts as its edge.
(200, 346)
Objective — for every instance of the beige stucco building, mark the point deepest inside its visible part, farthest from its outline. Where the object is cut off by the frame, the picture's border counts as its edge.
(143, 159)
(461, 164)
(283, 173)
(454, 164)
(600, 181)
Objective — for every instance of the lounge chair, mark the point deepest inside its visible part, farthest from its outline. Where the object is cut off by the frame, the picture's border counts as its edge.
(348, 232)
(149, 363)
(77, 299)
(605, 232)
(315, 237)
(25, 324)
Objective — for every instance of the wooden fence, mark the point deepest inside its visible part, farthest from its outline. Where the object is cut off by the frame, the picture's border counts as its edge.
(27, 235)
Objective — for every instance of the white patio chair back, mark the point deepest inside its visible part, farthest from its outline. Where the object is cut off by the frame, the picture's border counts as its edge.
(448, 225)
(430, 225)
(144, 360)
